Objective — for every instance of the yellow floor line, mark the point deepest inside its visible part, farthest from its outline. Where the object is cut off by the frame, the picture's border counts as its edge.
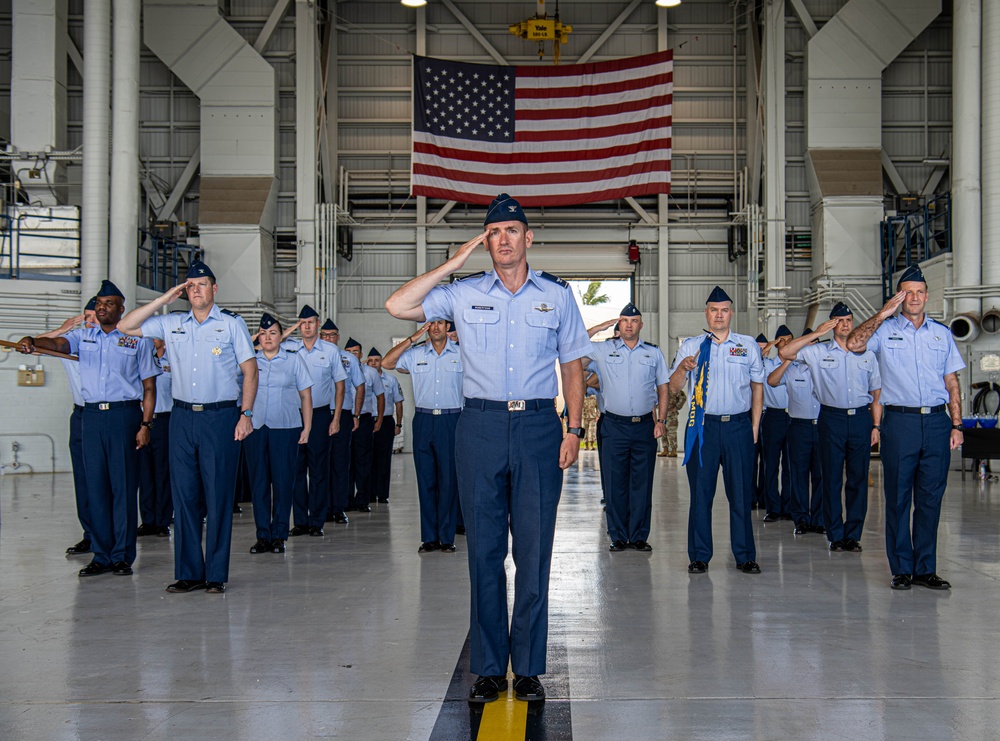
(506, 719)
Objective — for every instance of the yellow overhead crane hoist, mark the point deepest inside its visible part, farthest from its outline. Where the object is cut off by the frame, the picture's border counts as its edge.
(541, 28)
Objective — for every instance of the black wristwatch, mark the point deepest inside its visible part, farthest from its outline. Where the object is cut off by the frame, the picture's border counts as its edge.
(247, 412)
(578, 431)
(958, 427)
(147, 425)
(662, 421)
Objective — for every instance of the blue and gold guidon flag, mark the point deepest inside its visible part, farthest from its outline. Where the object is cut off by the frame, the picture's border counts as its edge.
(694, 436)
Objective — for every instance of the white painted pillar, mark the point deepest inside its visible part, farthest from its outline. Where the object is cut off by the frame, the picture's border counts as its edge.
(663, 232)
(990, 150)
(96, 144)
(305, 149)
(774, 159)
(125, 147)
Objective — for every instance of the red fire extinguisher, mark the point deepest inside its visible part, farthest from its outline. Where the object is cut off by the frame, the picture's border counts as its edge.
(633, 252)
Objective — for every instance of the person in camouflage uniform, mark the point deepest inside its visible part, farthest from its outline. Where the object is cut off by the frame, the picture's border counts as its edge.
(676, 402)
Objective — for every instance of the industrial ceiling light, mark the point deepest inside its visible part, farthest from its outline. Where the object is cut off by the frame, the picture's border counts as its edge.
(418, 3)
(668, 3)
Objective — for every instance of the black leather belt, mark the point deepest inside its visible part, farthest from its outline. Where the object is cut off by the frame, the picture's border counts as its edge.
(846, 412)
(515, 405)
(630, 420)
(804, 420)
(78, 407)
(106, 405)
(158, 415)
(727, 417)
(775, 409)
(915, 410)
(437, 412)
(207, 407)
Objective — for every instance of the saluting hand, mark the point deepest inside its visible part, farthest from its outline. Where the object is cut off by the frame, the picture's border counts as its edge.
(827, 326)
(469, 247)
(70, 323)
(175, 293)
(891, 305)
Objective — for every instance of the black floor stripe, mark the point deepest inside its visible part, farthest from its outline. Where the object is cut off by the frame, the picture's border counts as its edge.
(547, 721)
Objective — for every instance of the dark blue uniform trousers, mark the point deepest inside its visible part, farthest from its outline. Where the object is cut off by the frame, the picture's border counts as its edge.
(311, 500)
(758, 476)
(156, 505)
(730, 445)
(915, 458)
(204, 454)
(628, 456)
(509, 480)
(340, 464)
(773, 436)
(112, 481)
(437, 480)
(79, 471)
(597, 430)
(381, 470)
(845, 441)
(271, 455)
(362, 444)
(804, 466)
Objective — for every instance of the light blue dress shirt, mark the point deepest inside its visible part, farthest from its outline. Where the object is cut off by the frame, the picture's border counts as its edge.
(373, 388)
(112, 365)
(798, 383)
(510, 341)
(734, 364)
(629, 377)
(354, 379)
(73, 377)
(437, 379)
(775, 397)
(598, 392)
(280, 379)
(393, 393)
(841, 378)
(205, 358)
(913, 362)
(164, 382)
(324, 366)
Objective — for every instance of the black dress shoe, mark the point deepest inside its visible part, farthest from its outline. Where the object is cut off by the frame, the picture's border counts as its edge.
(340, 518)
(363, 508)
(931, 581)
(299, 530)
(163, 532)
(122, 569)
(277, 546)
(837, 545)
(771, 517)
(237, 509)
(748, 567)
(487, 689)
(215, 587)
(528, 689)
(95, 569)
(448, 548)
(603, 501)
(801, 529)
(852, 545)
(618, 545)
(900, 581)
(145, 530)
(428, 547)
(460, 530)
(185, 585)
(263, 545)
(316, 532)
(639, 545)
(80, 549)
(697, 567)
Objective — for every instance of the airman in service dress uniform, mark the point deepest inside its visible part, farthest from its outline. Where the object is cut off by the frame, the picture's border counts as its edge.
(363, 439)
(340, 443)
(156, 501)
(919, 363)
(514, 324)
(392, 425)
(724, 373)
(207, 348)
(773, 436)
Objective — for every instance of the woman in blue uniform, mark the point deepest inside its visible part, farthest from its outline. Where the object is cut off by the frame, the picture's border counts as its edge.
(278, 429)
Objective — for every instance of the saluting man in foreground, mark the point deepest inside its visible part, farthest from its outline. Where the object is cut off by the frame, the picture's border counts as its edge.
(514, 323)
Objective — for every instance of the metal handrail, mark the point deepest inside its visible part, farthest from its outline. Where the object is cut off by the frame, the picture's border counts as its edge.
(912, 236)
(162, 270)
(10, 242)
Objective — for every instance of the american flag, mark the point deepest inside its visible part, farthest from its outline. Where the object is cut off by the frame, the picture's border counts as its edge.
(549, 136)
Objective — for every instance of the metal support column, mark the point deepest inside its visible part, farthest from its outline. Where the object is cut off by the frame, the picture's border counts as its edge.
(96, 144)
(774, 159)
(306, 49)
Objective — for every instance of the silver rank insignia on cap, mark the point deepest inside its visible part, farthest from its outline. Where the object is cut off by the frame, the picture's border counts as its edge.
(512, 209)
(216, 351)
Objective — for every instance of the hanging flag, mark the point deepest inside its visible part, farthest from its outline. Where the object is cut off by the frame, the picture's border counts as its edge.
(550, 136)
(694, 436)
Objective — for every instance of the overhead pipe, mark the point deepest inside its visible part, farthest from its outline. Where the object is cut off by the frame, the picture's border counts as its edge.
(990, 158)
(125, 146)
(964, 327)
(96, 133)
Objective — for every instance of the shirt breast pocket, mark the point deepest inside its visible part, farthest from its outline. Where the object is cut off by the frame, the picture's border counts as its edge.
(647, 366)
(455, 367)
(219, 344)
(829, 364)
(739, 359)
(542, 328)
(421, 368)
(485, 328)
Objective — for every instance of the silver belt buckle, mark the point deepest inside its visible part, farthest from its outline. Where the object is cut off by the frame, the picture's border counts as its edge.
(636, 419)
(436, 412)
(815, 421)
(851, 412)
(516, 406)
(197, 407)
(724, 418)
(104, 406)
(925, 410)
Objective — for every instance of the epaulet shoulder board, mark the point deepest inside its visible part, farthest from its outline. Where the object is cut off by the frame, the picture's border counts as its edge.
(936, 321)
(651, 344)
(554, 278)
(289, 350)
(480, 274)
(419, 344)
(227, 312)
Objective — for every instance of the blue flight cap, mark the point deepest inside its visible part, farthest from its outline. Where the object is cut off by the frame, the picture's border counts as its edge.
(373, 353)
(783, 331)
(807, 330)
(911, 275)
(840, 309)
(308, 312)
(351, 343)
(267, 321)
(451, 327)
(630, 310)
(504, 208)
(718, 296)
(329, 326)
(199, 269)
(109, 289)
(91, 305)
(762, 339)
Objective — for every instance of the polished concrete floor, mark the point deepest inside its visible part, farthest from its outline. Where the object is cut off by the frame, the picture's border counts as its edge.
(355, 636)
